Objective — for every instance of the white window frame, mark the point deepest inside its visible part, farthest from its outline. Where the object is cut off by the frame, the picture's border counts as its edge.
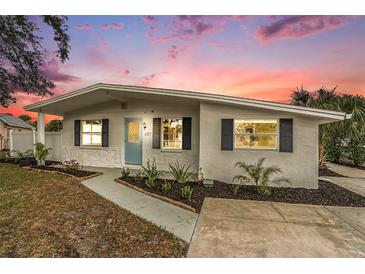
(263, 134)
(91, 133)
(162, 134)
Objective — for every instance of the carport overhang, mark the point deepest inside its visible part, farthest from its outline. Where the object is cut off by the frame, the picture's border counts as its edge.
(100, 93)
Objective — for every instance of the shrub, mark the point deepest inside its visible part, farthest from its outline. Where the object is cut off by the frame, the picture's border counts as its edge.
(258, 175)
(187, 192)
(42, 152)
(72, 165)
(125, 172)
(180, 172)
(138, 178)
(27, 154)
(150, 173)
(166, 186)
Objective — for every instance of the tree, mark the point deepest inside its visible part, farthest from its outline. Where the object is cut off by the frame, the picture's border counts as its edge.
(26, 118)
(54, 125)
(22, 55)
(337, 139)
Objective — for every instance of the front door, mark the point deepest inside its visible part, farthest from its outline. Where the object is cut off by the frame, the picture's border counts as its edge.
(133, 141)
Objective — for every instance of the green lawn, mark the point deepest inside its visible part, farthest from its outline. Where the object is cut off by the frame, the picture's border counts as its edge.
(51, 215)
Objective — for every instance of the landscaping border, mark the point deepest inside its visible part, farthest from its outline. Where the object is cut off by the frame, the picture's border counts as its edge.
(154, 195)
(80, 179)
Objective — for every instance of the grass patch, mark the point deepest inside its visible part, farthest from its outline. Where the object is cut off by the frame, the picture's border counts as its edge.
(52, 215)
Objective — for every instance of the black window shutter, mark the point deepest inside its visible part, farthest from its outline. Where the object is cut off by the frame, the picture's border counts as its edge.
(156, 133)
(186, 141)
(105, 133)
(77, 133)
(286, 135)
(227, 134)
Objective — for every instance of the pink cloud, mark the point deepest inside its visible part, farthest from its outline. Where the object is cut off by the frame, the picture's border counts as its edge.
(116, 26)
(51, 70)
(175, 51)
(83, 27)
(186, 27)
(150, 19)
(295, 27)
(125, 72)
(147, 80)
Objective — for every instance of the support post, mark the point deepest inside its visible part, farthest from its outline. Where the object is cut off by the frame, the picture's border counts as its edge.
(34, 138)
(41, 128)
(11, 147)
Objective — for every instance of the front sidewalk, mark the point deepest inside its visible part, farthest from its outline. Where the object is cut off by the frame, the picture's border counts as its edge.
(176, 220)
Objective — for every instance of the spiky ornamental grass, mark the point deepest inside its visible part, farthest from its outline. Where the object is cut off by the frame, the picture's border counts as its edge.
(258, 175)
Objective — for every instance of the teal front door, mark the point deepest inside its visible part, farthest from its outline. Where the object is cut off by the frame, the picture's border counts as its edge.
(133, 141)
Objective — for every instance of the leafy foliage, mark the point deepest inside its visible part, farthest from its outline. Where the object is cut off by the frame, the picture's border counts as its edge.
(26, 118)
(166, 186)
(125, 172)
(150, 173)
(342, 139)
(42, 152)
(257, 175)
(187, 192)
(22, 55)
(54, 125)
(180, 172)
(25, 154)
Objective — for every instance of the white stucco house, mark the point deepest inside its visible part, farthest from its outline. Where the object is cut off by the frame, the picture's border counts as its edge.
(111, 125)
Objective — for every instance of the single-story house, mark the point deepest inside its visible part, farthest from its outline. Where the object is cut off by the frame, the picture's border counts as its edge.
(10, 123)
(111, 125)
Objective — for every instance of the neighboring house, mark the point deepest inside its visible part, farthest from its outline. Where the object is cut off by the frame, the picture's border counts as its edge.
(9, 122)
(114, 125)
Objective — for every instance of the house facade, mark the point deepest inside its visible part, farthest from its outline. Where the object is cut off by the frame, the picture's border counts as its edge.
(114, 126)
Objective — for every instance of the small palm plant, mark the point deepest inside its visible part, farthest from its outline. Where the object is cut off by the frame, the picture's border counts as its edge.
(257, 175)
(180, 172)
(42, 152)
(150, 173)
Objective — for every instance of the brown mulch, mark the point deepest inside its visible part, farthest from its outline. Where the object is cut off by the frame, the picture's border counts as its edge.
(328, 194)
(53, 215)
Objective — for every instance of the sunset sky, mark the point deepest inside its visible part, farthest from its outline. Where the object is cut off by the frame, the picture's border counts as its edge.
(263, 57)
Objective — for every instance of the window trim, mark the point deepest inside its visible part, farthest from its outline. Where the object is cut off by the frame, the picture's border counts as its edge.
(256, 149)
(91, 133)
(162, 134)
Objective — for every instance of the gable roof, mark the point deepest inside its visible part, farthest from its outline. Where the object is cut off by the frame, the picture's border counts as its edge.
(13, 121)
(201, 96)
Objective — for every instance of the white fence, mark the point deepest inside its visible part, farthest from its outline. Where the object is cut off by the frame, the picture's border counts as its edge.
(23, 141)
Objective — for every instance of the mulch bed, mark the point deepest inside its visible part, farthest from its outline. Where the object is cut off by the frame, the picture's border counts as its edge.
(76, 173)
(327, 194)
(324, 171)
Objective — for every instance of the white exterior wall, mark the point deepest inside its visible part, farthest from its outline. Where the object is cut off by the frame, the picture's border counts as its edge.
(300, 166)
(113, 156)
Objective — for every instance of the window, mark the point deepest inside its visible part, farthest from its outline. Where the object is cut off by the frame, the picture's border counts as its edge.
(91, 133)
(172, 133)
(256, 134)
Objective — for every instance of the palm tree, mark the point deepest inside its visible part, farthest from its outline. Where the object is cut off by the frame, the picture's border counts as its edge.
(301, 97)
(257, 175)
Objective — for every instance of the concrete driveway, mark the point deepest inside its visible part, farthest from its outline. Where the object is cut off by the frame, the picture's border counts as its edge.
(236, 228)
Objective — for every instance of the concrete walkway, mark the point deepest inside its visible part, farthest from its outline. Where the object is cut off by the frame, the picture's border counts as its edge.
(237, 228)
(174, 219)
(355, 180)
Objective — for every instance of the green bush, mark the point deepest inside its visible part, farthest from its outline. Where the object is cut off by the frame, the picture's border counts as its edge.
(187, 192)
(166, 186)
(138, 178)
(150, 173)
(125, 172)
(42, 152)
(180, 172)
(257, 175)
